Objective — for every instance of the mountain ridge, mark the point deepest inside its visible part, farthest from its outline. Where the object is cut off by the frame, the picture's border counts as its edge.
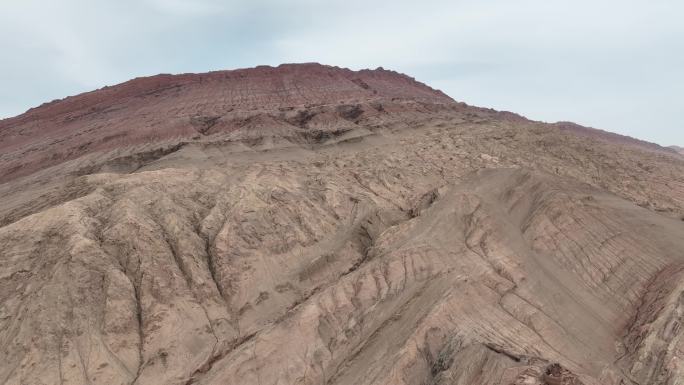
(134, 111)
(164, 80)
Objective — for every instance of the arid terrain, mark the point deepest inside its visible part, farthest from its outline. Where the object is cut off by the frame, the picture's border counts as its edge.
(308, 224)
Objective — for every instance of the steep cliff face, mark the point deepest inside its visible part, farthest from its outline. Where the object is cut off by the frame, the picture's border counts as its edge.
(308, 224)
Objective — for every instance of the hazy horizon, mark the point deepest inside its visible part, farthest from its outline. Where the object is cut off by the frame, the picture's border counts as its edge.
(614, 66)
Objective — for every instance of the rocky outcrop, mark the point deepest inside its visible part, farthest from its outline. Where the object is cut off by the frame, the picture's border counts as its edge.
(399, 238)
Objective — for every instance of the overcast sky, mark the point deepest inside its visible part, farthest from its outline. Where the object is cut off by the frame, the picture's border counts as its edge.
(611, 64)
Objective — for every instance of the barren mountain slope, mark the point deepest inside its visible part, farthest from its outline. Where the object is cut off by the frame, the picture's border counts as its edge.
(313, 225)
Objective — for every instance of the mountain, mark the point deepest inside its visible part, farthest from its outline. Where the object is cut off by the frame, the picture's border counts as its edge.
(168, 108)
(308, 224)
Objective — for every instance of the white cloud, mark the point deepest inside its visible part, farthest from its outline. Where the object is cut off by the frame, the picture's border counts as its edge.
(187, 7)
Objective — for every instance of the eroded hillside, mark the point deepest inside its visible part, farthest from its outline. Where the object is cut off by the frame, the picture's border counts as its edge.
(314, 225)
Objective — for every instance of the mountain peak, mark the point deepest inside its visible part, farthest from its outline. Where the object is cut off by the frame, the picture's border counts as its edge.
(170, 106)
(288, 84)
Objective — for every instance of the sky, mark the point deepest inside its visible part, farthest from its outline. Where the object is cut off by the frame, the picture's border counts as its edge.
(617, 65)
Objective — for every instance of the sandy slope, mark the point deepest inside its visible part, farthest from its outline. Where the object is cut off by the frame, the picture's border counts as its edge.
(377, 238)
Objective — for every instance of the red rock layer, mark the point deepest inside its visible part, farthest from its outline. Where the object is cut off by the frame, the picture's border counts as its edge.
(162, 107)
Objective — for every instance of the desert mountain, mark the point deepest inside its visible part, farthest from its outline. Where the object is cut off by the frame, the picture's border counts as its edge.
(308, 224)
